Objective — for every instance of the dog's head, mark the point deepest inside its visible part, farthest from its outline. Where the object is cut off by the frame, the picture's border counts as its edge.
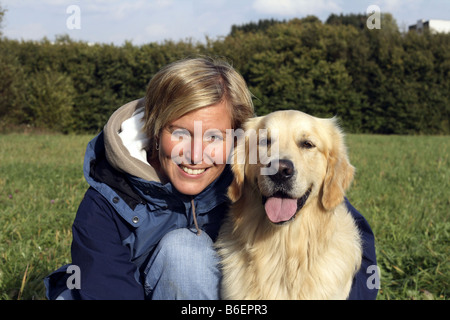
(292, 159)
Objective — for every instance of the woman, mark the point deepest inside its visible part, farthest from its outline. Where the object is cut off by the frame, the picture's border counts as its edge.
(146, 225)
(158, 179)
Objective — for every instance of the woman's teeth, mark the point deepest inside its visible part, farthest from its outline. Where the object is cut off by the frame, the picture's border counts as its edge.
(192, 171)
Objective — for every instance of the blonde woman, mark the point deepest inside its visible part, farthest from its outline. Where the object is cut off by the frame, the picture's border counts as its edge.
(158, 177)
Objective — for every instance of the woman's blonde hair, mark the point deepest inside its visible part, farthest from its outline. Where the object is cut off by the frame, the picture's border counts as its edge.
(187, 85)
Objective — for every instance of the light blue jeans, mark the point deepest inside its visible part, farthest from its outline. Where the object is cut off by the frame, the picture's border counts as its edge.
(184, 266)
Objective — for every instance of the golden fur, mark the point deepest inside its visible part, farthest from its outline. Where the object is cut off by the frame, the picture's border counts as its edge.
(313, 256)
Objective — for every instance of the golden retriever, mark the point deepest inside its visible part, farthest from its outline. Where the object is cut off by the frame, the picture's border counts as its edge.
(288, 234)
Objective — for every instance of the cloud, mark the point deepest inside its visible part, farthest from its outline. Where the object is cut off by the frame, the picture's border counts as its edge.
(28, 3)
(156, 31)
(400, 5)
(115, 10)
(294, 7)
(34, 31)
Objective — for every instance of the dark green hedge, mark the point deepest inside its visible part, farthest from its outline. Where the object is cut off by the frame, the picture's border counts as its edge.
(375, 81)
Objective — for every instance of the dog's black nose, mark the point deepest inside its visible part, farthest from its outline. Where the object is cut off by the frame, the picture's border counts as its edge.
(285, 171)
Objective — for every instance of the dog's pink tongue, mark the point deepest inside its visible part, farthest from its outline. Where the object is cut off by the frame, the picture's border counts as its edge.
(280, 209)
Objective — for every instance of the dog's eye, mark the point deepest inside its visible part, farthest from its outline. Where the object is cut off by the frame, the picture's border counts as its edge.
(264, 142)
(306, 144)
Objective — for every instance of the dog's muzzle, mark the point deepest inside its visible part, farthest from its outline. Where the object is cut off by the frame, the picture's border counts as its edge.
(280, 207)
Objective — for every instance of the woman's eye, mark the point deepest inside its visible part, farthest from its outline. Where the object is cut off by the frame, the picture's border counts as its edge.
(214, 138)
(180, 133)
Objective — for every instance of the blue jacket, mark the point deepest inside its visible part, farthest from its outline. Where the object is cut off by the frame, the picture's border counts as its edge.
(122, 218)
(120, 221)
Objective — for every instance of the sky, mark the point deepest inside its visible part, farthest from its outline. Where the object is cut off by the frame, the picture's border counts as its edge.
(145, 21)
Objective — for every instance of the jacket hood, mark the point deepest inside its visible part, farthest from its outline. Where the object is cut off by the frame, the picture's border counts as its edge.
(125, 142)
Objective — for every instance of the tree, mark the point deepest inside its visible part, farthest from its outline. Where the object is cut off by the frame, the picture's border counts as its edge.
(49, 101)
(252, 27)
(374, 80)
(11, 85)
(356, 20)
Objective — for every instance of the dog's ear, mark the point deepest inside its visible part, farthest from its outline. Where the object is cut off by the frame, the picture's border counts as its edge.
(238, 168)
(340, 172)
(240, 156)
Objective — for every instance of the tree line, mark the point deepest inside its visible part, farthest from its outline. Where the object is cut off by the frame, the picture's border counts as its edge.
(376, 81)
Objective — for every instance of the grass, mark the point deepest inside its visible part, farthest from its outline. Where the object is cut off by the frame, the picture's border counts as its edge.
(41, 186)
(401, 187)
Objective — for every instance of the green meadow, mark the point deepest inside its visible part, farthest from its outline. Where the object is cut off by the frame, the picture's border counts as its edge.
(402, 187)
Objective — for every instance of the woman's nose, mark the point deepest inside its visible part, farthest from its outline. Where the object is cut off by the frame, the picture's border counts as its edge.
(195, 154)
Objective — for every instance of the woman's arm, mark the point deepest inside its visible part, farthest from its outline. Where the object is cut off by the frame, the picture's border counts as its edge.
(97, 249)
(363, 287)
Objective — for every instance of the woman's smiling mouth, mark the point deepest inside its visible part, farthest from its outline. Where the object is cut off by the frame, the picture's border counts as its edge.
(192, 171)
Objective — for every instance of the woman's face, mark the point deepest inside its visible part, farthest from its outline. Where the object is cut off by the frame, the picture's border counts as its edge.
(193, 148)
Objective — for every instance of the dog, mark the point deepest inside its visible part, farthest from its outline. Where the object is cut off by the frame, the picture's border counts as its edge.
(288, 234)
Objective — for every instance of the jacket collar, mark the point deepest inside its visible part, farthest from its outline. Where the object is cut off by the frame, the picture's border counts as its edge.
(135, 190)
(125, 141)
(159, 195)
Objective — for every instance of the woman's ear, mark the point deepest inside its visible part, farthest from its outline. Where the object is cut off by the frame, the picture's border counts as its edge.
(339, 174)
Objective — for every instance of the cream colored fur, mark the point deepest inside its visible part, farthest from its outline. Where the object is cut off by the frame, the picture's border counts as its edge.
(316, 255)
